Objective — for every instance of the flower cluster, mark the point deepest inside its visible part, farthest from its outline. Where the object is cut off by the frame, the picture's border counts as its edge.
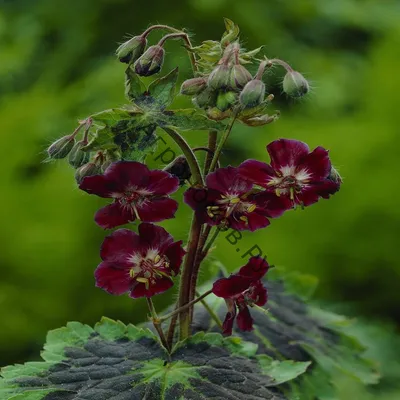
(243, 198)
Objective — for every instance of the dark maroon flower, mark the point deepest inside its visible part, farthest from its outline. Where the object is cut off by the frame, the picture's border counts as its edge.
(142, 264)
(294, 173)
(230, 201)
(241, 290)
(138, 193)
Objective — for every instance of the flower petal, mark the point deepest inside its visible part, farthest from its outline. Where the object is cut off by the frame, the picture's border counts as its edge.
(284, 152)
(316, 164)
(244, 320)
(256, 172)
(259, 294)
(112, 280)
(161, 285)
(113, 215)
(232, 286)
(154, 237)
(100, 186)
(273, 205)
(255, 269)
(312, 193)
(256, 221)
(118, 246)
(157, 209)
(162, 183)
(227, 325)
(228, 180)
(175, 253)
(128, 173)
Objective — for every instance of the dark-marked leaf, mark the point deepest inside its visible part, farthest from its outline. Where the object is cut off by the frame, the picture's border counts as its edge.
(114, 361)
(188, 119)
(134, 87)
(293, 330)
(162, 90)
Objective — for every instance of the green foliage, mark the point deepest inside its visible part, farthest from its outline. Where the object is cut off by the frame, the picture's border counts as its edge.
(115, 360)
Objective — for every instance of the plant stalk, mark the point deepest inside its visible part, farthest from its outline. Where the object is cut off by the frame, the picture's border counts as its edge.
(157, 323)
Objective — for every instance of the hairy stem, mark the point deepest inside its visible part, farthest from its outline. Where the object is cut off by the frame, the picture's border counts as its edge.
(188, 153)
(223, 141)
(209, 244)
(212, 144)
(213, 315)
(157, 323)
(186, 38)
(191, 303)
(171, 328)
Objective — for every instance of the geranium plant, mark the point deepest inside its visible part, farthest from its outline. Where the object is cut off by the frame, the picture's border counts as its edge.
(190, 351)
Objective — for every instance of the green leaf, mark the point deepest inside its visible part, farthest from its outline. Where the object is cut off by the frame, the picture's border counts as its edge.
(188, 119)
(134, 87)
(162, 90)
(231, 32)
(293, 330)
(125, 362)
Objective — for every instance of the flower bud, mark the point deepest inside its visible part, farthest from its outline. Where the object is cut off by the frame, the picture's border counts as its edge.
(252, 94)
(77, 157)
(295, 85)
(219, 77)
(61, 147)
(85, 170)
(239, 77)
(132, 49)
(334, 176)
(259, 120)
(226, 100)
(151, 61)
(193, 86)
(179, 168)
(217, 115)
(207, 98)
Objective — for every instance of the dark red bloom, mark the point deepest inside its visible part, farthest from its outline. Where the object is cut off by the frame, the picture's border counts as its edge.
(142, 264)
(241, 290)
(138, 193)
(230, 201)
(294, 172)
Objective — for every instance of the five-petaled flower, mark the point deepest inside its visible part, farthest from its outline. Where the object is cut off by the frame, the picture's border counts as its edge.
(138, 193)
(241, 290)
(231, 202)
(295, 172)
(142, 264)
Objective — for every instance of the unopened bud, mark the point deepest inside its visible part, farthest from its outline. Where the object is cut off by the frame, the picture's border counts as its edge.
(179, 168)
(151, 61)
(226, 100)
(219, 77)
(217, 115)
(85, 170)
(239, 77)
(193, 86)
(77, 157)
(207, 98)
(132, 49)
(334, 176)
(252, 94)
(61, 147)
(295, 85)
(260, 120)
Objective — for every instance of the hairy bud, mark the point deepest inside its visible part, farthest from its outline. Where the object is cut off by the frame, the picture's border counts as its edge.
(252, 94)
(207, 98)
(226, 100)
(77, 157)
(259, 120)
(239, 77)
(179, 168)
(151, 61)
(295, 85)
(334, 176)
(61, 147)
(85, 170)
(217, 115)
(132, 49)
(193, 86)
(219, 77)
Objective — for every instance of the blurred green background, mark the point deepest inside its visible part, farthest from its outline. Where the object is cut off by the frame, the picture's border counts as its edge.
(58, 65)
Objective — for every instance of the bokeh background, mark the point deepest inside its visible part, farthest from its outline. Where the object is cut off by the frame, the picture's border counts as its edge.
(57, 65)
